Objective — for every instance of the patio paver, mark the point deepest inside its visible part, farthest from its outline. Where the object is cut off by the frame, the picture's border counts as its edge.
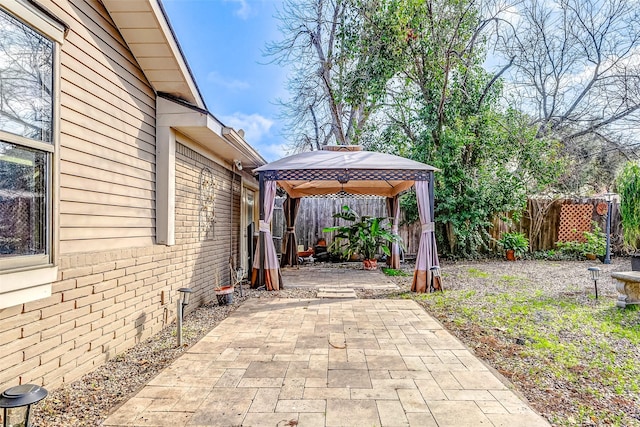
(275, 362)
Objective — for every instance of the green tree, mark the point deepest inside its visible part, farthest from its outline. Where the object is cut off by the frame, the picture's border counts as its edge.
(628, 184)
(445, 112)
(342, 56)
(406, 76)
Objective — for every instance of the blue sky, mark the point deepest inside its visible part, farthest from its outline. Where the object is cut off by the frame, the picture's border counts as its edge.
(223, 41)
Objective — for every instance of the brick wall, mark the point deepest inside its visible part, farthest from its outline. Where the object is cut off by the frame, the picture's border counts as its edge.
(106, 302)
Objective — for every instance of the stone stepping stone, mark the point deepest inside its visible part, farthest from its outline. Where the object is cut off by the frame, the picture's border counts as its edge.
(336, 293)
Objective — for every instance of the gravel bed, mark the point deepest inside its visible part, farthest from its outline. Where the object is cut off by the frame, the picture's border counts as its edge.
(89, 400)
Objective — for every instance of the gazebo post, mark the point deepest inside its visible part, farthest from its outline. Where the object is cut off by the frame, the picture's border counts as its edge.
(432, 197)
(261, 242)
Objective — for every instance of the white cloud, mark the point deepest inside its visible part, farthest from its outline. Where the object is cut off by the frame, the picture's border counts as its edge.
(272, 152)
(244, 9)
(257, 132)
(254, 125)
(232, 84)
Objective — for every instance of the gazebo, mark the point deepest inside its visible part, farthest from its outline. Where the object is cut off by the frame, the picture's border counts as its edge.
(342, 170)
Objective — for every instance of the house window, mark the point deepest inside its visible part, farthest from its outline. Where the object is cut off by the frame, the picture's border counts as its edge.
(26, 144)
(30, 37)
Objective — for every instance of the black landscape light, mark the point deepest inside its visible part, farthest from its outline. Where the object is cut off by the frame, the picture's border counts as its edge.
(436, 281)
(185, 295)
(595, 275)
(16, 402)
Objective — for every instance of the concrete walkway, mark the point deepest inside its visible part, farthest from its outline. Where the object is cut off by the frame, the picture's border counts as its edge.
(291, 362)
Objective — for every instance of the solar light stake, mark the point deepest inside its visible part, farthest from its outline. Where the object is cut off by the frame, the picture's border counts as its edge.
(185, 294)
(595, 274)
(436, 283)
(16, 402)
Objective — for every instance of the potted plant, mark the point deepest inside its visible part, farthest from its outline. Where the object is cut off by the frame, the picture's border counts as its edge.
(628, 186)
(595, 244)
(514, 244)
(365, 236)
(224, 293)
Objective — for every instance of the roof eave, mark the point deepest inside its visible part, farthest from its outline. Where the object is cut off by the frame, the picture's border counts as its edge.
(146, 30)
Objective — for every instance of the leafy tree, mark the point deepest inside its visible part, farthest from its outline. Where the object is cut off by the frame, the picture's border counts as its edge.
(575, 70)
(446, 112)
(406, 76)
(628, 184)
(341, 63)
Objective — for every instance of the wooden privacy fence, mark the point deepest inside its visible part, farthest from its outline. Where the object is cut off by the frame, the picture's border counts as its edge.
(316, 213)
(540, 221)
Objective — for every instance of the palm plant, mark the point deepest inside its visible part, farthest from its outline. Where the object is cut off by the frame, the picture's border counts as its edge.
(365, 235)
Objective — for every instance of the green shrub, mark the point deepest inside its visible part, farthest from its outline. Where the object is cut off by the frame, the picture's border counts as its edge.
(364, 235)
(514, 241)
(596, 243)
(628, 185)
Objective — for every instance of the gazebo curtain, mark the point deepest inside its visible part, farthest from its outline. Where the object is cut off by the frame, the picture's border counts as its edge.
(272, 278)
(427, 250)
(290, 256)
(393, 209)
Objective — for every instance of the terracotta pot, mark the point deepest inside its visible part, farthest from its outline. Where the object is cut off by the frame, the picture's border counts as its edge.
(590, 257)
(370, 264)
(511, 254)
(224, 295)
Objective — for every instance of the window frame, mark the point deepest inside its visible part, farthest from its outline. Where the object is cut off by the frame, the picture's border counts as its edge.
(28, 278)
(26, 261)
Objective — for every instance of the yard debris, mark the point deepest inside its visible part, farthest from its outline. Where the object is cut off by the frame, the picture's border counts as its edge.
(340, 347)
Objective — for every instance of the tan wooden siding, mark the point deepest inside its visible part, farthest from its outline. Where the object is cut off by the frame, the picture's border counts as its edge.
(72, 246)
(72, 221)
(87, 209)
(92, 30)
(107, 136)
(101, 165)
(92, 197)
(109, 175)
(135, 93)
(77, 139)
(110, 188)
(114, 112)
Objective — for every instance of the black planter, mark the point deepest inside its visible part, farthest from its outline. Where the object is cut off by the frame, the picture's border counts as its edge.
(635, 262)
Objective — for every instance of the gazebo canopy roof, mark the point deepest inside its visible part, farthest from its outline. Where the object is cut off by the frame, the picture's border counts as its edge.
(355, 172)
